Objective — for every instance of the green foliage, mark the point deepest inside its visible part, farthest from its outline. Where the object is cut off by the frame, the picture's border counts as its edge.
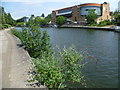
(91, 16)
(116, 15)
(104, 23)
(3, 19)
(6, 18)
(5, 26)
(51, 69)
(10, 19)
(54, 72)
(38, 20)
(43, 15)
(34, 40)
(60, 20)
(48, 18)
(17, 33)
(21, 19)
(20, 24)
(43, 22)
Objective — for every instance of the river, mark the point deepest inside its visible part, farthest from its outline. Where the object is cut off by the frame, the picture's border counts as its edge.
(102, 70)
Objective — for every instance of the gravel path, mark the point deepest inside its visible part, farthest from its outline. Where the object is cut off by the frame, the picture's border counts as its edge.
(14, 62)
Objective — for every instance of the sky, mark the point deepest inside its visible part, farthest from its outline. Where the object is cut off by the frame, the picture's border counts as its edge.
(20, 8)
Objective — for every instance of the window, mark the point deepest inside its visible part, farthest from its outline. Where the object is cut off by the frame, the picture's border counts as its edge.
(89, 9)
(64, 11)
(86, 9)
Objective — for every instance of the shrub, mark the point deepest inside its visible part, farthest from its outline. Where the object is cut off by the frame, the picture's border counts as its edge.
(17, 33)
(91, 16)
(104, 23)
(54, 72)
(5, 26)
(60, 20)
(20, 24)
(35, 41)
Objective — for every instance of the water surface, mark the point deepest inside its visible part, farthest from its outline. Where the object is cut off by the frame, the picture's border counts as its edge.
(102, 71)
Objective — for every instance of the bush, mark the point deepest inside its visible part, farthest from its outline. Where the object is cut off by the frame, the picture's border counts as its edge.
(17, 33)
(54, 72)
(104, 23)
(5, 26)
(60, 20)
(20, 24)
(35, 41)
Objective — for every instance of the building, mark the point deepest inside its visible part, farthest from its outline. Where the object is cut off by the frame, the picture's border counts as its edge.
(77, 13)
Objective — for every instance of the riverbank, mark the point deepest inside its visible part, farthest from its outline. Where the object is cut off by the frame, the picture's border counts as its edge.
(107, 28)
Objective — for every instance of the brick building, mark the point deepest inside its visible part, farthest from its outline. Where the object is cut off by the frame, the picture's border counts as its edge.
(77, 13)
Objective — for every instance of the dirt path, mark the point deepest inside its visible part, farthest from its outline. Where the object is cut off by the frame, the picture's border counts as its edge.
(14, 61)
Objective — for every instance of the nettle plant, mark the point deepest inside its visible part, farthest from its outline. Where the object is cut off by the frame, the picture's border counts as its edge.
(36, 42)
(55, 71)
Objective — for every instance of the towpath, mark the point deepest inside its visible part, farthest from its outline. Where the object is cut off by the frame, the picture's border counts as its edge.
(14, 62)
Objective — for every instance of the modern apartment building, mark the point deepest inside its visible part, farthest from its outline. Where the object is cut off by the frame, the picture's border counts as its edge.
(77, 13)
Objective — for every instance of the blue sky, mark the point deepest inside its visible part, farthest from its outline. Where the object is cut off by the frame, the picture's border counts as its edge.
(20, 8)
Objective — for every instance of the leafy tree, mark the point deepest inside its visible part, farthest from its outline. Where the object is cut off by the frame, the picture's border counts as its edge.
(20, 24)
(6, 18)
(2, 15)
(60, 20)
(48, 18)
(3, 19)
(10, 19)
(31, 21)
(91, 16)
(43, 22)
(38, 20)
(116, 15)
(21, 19)
(43, 15)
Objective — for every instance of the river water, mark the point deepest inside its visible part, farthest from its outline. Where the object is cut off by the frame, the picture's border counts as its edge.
(102, 70)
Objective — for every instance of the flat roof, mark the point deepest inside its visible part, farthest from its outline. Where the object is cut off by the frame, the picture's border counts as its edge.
(81, 5)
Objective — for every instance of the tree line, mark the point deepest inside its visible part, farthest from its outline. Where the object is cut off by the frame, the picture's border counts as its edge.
(5, 19)
(38, 20)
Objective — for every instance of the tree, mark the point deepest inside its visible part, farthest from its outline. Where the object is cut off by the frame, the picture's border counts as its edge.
(48, 18)
(3, 19)
(38, 20)
(43, 15)
(31, 21)
(21, 19)
(60, 20)
(91, 16)
(116, 16)
(2, 15)
(43, 22)
(6, 18)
